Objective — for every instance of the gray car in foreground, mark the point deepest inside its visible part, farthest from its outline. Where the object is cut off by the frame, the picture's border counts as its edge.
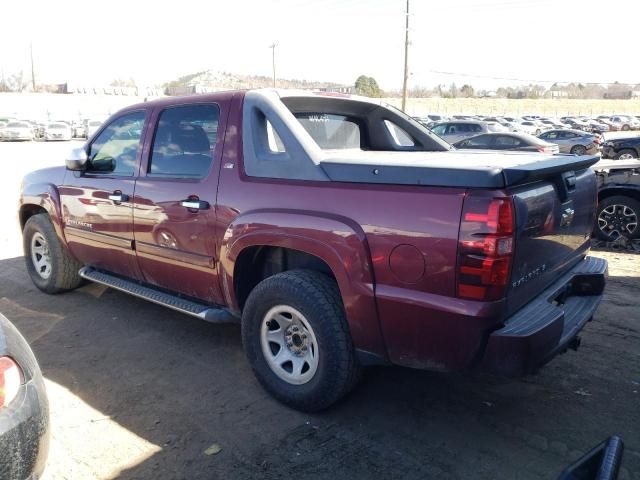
(24, 410)
(573, 141)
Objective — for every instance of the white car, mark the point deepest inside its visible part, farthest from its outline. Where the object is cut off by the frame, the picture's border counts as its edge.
(532, 127)
(16, 131)
(92, 127)
(57, 131)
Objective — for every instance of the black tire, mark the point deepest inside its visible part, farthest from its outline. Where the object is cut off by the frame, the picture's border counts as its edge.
(626, 128)
(64, 269)
(317, 297)
(579, 150)
(626, 151)
(617, 215)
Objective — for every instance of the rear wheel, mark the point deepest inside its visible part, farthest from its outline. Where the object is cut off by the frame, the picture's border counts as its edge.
(626, 154)
(50, 266)
(618, 216)
(625, 127)
(296, 338)
(579, 150)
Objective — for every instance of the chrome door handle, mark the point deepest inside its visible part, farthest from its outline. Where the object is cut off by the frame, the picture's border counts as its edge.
(193, 204)
(118, 197)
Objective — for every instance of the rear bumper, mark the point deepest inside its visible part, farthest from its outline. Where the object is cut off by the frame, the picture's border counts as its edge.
(549, 324)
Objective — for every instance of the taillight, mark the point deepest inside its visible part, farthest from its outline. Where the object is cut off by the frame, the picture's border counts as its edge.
(485, 247)
(545, 149)
(10, 380)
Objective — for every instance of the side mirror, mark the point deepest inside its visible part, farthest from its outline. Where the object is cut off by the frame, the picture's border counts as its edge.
(77, 160)
(601, 463)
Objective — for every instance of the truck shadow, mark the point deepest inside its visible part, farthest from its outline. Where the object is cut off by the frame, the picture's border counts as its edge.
(183, 385)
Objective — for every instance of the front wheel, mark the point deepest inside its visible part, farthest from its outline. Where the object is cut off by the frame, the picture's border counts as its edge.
(50, 266)
(296, 338)
(626, 154)
(618, 216)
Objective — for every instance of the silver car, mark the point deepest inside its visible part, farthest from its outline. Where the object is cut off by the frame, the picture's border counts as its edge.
(455, 130)
(573, 141)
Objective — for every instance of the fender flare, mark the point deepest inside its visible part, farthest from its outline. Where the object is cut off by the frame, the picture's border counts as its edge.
(47, 196)
(337, 241)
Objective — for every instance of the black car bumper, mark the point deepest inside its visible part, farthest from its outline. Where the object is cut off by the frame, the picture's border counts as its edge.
(24, 433)
(548, 325)
(24, 423)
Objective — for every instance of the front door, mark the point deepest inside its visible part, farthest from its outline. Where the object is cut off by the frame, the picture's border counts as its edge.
(174, 205)
(97, 204)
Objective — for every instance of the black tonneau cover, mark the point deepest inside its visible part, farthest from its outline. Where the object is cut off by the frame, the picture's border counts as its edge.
(454, 168)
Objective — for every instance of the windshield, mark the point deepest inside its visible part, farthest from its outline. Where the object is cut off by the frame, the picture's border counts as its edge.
(17, 125)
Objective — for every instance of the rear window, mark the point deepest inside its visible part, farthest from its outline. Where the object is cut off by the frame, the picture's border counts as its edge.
(331, 131)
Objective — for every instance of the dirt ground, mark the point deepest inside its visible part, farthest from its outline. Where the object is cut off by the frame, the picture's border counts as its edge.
(138, 391)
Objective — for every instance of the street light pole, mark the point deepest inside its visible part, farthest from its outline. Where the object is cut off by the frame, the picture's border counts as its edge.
(406, 59)
(33, 75)
(273, 61)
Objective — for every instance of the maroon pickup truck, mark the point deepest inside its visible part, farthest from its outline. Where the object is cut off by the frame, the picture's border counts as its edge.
(338, 231)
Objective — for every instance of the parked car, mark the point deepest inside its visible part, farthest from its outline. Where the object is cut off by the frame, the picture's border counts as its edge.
(456, 130)
(92, 127)
(613, 126)
(598, 127)
(24, 409)
(573, 141)
(78, 130)
(532, 127)
(521, 142)
(57, 131)
(618, 212)
(621, 148)
(626, 122)
(16, 131)
(284, 237)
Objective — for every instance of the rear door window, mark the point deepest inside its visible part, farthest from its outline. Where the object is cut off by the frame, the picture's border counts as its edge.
(184, 141)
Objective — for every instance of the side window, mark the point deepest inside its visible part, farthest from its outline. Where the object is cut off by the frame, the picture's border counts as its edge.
(479, 141)
(184, 140)
(551, 135)
(503, 141)
(400, 137)
(439, 129)
(115, 150)
(475, 128)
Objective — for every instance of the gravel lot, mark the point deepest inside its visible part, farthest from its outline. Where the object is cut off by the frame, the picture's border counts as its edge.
(139, 391)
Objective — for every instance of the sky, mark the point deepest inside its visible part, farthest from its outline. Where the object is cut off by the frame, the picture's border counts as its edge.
(486, 43)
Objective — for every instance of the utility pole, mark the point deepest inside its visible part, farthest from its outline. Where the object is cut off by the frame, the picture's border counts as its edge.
(33, 75)
(273, 61)
(406, 59)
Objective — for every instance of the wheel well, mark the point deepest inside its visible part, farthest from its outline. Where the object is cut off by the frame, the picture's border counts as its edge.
(625, 192)
(257, 263)
(28, 211)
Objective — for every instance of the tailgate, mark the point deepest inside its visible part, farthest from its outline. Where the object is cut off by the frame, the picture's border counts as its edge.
(554, 218)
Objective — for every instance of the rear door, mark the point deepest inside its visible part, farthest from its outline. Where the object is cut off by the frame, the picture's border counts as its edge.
(97, 203)
(174, 206)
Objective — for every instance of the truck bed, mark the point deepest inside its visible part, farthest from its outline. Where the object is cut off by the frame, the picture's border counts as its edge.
(454, 168)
